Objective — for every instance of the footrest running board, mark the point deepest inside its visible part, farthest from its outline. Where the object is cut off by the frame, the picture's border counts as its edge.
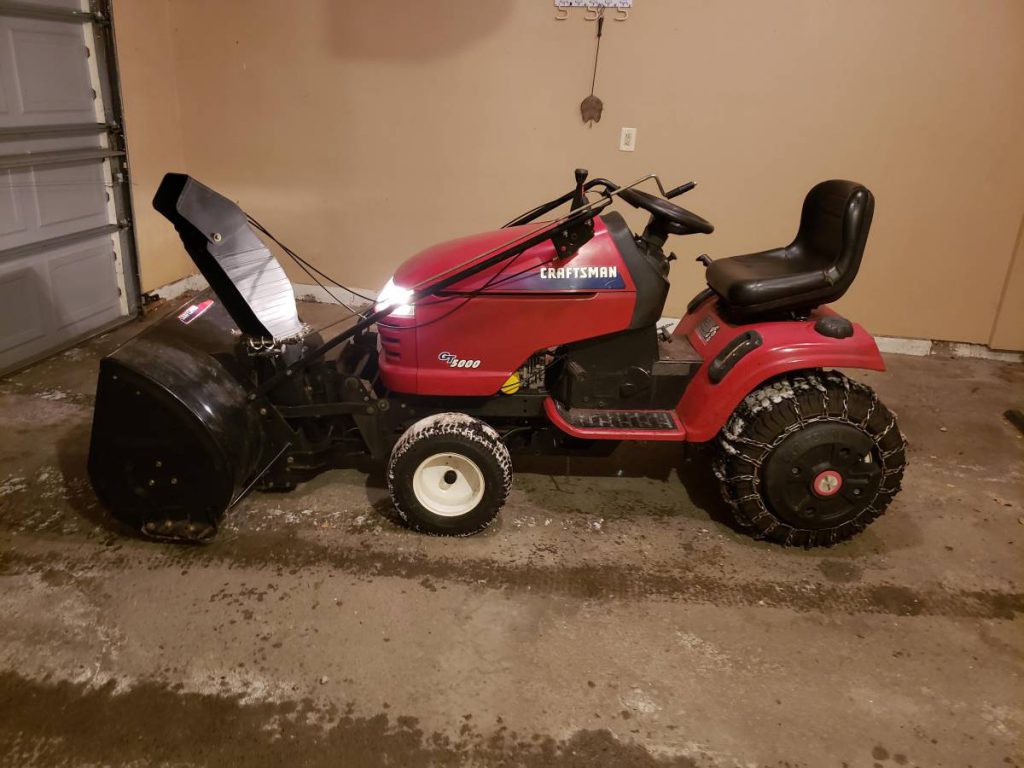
(604, 424)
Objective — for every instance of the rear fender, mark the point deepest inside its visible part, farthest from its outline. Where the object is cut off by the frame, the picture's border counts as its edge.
(785, 345)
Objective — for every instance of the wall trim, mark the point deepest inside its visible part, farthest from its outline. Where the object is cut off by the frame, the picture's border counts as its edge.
(896, 345)
(893, 345)
(305, 292)
(926, 347)
(180, 287)
(982, 351)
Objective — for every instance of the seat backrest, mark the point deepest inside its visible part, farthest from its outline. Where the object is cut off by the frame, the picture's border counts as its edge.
(834, 228)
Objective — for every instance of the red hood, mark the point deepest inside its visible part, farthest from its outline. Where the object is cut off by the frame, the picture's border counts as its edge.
(437, 260)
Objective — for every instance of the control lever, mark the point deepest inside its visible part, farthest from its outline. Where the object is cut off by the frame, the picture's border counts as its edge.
(579, 198)
(680, 190)
(704, 259)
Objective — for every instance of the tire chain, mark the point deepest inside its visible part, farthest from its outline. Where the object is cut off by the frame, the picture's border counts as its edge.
(737, 448)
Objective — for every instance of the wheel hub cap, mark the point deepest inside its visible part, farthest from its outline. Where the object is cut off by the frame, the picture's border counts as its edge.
(448, 484)
(821, 475)
(827, 483)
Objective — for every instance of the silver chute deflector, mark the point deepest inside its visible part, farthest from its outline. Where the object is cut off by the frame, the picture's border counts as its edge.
(234, 260)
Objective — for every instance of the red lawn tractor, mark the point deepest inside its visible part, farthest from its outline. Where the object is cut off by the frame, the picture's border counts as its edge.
(546, 332)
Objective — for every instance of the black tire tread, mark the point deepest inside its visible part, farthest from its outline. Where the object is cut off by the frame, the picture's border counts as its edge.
(457, 428)
(773, 412)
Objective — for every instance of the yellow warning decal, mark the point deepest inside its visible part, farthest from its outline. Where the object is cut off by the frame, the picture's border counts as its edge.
(511, 386)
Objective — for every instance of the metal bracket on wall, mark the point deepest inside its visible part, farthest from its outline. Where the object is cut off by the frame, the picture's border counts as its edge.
(594, 8)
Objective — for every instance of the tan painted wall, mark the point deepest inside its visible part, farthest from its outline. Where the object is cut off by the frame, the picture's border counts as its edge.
(153, 127)
(1008, 331)
(362, 131)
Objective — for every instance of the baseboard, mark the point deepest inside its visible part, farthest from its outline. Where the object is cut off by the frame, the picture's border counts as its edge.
(892, 345)
(896, 345)
(181, 287)
(318, 294)
(982, 351)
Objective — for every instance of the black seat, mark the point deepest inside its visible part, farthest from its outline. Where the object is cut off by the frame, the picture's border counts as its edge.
(815, 269)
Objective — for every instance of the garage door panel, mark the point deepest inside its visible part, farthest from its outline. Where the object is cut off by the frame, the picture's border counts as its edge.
(82, 285)
(23, 309)
(12, 219)
(48, 72)
(63, 248)
(69, 194)
(51, 201)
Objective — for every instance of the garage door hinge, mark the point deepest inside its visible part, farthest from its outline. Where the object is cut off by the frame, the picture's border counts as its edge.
(100, 14)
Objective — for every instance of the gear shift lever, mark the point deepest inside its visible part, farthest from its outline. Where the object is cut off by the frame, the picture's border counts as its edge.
(580, 198)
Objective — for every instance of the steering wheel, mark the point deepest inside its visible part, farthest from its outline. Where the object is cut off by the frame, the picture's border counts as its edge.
(670, 217)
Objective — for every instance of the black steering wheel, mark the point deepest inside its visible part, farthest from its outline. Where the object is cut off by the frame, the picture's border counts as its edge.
(672, 219)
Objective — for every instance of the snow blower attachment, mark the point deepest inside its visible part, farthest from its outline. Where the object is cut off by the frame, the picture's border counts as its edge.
(540, 336)
(231, 391)
(175, 440)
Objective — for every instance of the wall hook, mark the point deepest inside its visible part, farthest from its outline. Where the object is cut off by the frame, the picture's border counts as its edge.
(621, 14)
(593, 13)
(561, 14)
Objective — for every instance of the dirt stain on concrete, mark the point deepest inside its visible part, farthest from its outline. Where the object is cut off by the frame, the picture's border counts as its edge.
(603, 581)
(63, 722)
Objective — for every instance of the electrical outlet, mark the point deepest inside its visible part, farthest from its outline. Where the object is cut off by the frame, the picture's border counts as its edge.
(627, 140)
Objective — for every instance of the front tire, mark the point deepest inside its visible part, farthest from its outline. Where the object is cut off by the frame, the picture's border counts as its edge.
(810, 459)
(449, 475)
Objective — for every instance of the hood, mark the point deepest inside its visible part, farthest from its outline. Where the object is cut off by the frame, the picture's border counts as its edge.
(516, 273)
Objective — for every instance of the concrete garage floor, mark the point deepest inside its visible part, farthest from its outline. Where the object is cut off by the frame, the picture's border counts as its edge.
(609, 618)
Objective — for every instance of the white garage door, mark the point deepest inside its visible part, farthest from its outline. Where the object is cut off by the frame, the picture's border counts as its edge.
(66, 251)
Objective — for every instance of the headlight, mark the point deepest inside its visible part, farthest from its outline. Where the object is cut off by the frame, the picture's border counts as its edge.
(393, 296)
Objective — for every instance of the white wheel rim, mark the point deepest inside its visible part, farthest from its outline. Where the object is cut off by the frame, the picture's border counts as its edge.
(448, 484)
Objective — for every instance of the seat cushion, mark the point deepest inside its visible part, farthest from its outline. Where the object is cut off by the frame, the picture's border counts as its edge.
(765, 279)
(816, 268)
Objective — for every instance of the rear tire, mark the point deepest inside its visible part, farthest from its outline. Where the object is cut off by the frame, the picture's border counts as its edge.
(449, 475)
(810, 459)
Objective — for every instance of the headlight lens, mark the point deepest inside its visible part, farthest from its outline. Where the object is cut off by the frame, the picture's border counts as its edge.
(393, 296)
